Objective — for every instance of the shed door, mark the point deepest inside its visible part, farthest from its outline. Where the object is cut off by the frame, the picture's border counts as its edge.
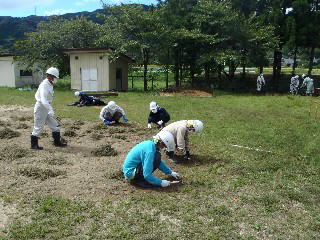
(119, 79)
(89, 79)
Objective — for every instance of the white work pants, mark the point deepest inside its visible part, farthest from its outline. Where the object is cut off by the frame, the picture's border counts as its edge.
(41, 118)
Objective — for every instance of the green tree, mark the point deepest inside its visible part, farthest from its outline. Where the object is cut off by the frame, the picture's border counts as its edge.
(45, 46)
(133, 29)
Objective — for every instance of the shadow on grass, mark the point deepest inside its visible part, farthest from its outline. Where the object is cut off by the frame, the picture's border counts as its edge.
(200, 159)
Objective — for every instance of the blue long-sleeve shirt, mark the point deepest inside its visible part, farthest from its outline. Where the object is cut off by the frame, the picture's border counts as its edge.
(144, 153)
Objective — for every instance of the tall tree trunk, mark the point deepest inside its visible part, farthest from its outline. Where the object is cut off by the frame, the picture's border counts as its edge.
(145, 70)
(167, 69)
(232, 69)
(261, 69)
(294, 65)
(180, 67)
(311, 57)
(244, 71)
(276, 69)
(192, 72)
(176, 67)
(206, 72)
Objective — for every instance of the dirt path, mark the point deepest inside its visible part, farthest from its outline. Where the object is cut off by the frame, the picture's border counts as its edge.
(73, 172)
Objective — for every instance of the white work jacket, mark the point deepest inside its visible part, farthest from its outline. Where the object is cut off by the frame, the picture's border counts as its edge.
(44, 95)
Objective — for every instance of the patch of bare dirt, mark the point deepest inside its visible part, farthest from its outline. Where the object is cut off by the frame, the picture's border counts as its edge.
(185, 92)
(73, 172)
(6, 212)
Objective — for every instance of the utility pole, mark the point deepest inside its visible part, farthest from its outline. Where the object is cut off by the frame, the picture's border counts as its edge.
(35, 10)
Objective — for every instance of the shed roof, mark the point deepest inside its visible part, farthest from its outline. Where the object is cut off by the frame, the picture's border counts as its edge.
(96, 50)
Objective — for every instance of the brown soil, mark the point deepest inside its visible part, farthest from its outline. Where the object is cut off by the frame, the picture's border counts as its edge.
(185, 92)
(73, 172)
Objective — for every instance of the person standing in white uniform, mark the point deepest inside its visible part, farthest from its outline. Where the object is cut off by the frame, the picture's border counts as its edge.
(43, 111)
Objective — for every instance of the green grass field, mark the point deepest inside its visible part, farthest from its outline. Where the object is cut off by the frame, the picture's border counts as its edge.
(229, 192)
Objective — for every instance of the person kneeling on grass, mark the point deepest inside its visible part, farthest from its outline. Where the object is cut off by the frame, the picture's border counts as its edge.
(157, 115)
(144, 158)
(112, 113)
(180, 131)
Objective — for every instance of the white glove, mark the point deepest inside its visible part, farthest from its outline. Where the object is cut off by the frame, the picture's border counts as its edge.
(175, 175)
(160, 122)
(149, 125)
(165, 183)
(51, 113)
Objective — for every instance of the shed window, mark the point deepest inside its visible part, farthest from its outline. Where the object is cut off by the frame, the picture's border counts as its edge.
(25, 73)
(76, 57)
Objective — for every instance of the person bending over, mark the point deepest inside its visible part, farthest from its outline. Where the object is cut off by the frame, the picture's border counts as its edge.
(144, 158)
(112, 113)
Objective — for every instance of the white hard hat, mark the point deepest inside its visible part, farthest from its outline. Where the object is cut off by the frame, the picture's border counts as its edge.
(53, 71)
(112, 105)
(168, 140)
(303, 75)
(77, 93)
(197, 125)
(153, 105)
(297, 76)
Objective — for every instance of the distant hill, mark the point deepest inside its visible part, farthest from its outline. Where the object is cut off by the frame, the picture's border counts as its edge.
(13, 28)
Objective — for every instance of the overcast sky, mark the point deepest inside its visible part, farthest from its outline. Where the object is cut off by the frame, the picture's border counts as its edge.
(24, 8)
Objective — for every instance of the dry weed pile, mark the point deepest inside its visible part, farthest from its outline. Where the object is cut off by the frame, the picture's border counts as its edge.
(11, 153)
(7, 133)
(70, 133)
(117, 175)
(55, 160)
(22, 118)
(38, 173)
(105, 150)
(23, 126)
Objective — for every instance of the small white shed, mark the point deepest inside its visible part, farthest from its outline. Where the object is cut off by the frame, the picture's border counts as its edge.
(14, 73)
(91, 70)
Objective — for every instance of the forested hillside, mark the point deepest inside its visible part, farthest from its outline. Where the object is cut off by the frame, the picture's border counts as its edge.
(13, 28)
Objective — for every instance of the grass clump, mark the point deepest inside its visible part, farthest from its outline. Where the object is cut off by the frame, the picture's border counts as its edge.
(22, 118)
(5, 124)
(55, 160)
(122, 137)
(39, 173)
(96, 136)
(7, 133)
(116, 130)
(44, 134)
(117, 175)
(70, 133)
(99, 126)
(11, 153)
(104, 151)
(23, 126)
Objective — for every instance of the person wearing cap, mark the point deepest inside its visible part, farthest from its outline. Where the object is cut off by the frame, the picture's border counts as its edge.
(144, 158)
(43, 111)
(157, 115)
(260, 83)
(86, 100)
(308, 82)
(180, 131)
(294, 85)
(112, 113)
